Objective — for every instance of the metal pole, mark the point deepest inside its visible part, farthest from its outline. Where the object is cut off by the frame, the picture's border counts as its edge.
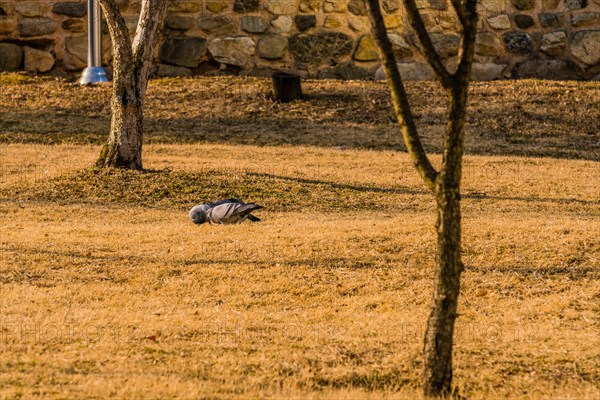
(94, 73)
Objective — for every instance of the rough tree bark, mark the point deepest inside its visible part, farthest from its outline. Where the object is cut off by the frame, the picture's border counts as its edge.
(132, 60)
(445, 184)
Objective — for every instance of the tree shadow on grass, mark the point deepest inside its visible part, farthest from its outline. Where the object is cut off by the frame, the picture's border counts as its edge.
(345, 186)
(567, 200)
(574, 273)
(416, 192)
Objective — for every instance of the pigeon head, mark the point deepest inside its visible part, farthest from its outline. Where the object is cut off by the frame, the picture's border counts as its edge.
(198, 215)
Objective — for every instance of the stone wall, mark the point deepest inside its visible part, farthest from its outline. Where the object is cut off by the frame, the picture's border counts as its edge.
(557, 39)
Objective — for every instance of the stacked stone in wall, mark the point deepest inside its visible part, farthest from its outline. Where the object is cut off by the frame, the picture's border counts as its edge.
(556, 39)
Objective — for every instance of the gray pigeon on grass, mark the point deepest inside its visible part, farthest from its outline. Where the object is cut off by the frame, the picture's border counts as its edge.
(227, 211)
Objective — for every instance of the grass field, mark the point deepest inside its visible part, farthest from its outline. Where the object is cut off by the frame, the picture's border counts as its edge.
(107, 289)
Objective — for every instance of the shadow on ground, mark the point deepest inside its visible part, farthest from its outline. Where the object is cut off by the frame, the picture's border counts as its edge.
(525, 118)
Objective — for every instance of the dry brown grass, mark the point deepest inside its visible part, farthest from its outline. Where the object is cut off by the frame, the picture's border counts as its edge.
(107, 290)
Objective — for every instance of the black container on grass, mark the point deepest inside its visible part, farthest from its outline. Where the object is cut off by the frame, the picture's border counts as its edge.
(286, 86)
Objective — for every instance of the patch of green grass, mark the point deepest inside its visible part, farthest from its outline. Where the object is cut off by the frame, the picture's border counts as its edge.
(22, 79)
(181, 189)
(13, 79)
(392, 380)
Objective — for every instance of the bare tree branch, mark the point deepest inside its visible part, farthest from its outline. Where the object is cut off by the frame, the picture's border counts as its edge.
(146, 35)
(467, 13)
(399, 98)
(432, 56)
(458, 7)
(118, 32)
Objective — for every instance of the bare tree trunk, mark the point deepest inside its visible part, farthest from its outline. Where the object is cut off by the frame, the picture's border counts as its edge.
(131, 65)
(445, 184)
(438, 343)
(124, 147)
(437, 352)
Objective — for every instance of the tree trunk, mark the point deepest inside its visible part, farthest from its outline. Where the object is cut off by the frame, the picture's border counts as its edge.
(132, 60)
(124, 147)
(437, 351)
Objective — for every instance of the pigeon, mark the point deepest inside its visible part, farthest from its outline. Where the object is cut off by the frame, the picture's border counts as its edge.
(226, 211)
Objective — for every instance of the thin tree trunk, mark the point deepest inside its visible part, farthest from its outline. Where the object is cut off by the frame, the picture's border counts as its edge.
(438, 343)
(437, 352)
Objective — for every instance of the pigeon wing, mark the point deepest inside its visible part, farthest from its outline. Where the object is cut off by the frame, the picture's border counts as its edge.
(243, 210)
(208, 206)
(222, 214)
(212, 204)
(230, 213)
(224, 201)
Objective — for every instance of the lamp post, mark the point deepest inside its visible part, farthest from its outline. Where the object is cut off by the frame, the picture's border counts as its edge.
(94, 73)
